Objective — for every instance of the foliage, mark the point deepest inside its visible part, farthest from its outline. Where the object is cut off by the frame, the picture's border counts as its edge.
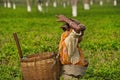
(39, 32)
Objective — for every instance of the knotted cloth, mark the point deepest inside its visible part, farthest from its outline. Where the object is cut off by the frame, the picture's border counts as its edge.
(70, 53)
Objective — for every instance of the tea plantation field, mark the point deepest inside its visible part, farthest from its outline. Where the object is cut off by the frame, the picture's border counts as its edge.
(39, 32)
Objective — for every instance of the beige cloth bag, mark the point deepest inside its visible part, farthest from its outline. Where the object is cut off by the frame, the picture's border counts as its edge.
(71, 42)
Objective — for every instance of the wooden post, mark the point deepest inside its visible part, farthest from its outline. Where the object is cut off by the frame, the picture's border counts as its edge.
(18, 45)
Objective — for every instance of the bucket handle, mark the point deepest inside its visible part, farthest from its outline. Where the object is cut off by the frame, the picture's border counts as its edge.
(18, 45)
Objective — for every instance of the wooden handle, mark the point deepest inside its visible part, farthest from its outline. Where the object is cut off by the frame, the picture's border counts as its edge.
(18, 45)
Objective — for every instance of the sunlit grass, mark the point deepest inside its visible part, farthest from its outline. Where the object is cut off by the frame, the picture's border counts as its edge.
(39, 32)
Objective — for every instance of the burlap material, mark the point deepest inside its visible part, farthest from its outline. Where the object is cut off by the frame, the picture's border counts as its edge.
(71, 72)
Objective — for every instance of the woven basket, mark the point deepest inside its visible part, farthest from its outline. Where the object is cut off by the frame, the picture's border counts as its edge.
(40, 67)
(43, 66)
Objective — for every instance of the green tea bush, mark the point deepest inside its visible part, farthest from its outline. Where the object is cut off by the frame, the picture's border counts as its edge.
(39, 32)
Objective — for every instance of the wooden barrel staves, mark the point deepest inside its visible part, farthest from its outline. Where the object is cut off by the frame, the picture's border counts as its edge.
(42, 66)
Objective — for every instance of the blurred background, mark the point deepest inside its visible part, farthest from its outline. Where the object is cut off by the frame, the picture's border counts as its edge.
(44, 5)
(35, 23)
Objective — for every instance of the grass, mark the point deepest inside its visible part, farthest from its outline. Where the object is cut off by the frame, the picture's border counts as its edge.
(39, 32)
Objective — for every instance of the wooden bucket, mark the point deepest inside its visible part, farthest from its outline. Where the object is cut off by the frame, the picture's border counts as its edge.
(42, 66)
